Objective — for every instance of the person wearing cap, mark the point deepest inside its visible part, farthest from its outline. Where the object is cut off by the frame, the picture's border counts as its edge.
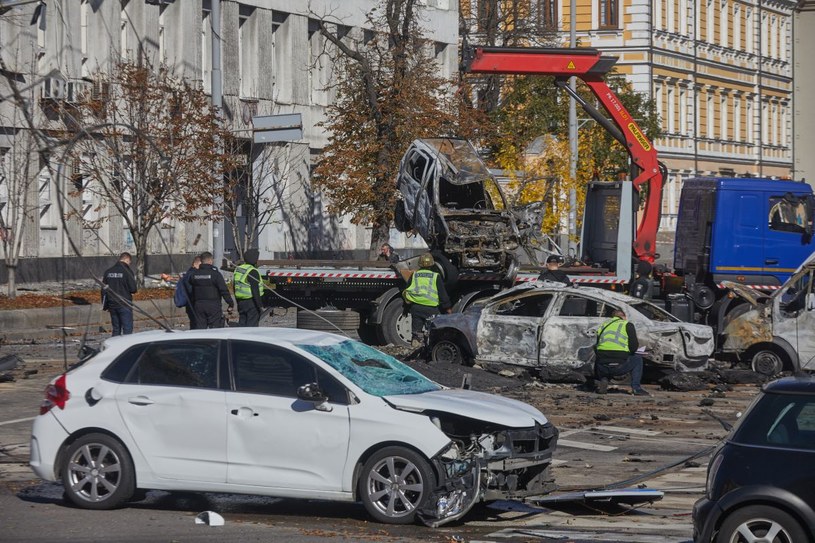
(640, 287)
(425, 295)
(248, 289)
(553, 273)
(616, 354)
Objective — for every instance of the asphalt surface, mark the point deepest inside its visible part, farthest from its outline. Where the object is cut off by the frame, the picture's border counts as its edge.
(603, 440)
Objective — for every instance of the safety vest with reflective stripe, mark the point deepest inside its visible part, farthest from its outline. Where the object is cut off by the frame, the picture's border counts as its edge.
(613, 336)
(422, 289)
(243, 290)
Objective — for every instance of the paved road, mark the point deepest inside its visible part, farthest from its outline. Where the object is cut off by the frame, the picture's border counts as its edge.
(640, 435)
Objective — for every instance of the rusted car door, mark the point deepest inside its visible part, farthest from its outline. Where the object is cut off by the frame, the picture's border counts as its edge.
(568, 337)
(508, 330)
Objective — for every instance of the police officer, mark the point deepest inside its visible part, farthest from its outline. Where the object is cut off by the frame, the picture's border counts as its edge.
(117, 295)
(425, 295)
(207, 286)
(640, 287)
(616, 350)
(553, 273)
(248, 289)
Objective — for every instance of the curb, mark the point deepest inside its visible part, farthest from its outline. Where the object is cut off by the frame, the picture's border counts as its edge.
(24, 325)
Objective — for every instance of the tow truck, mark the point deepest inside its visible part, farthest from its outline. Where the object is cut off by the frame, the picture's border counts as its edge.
(365, 295)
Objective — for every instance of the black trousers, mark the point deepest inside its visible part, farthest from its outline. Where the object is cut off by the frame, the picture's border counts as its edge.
(190, 315)
(248, 313)
(418, 318)
(208, 314)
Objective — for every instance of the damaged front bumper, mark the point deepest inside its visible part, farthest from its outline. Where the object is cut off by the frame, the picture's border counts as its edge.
(506, 464)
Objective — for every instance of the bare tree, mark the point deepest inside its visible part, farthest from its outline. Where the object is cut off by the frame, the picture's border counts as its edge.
(149, 153)
(389, 92)
(19, 204)
(256, 189)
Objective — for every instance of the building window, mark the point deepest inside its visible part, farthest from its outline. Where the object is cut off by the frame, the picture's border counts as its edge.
(724, 17)
(774, 37)
(736, 26)
(749, 32)
(671, 111)
(737, 118)
(487, 16)
(658, 14)
(547, 14)
(711, 21)
(609, 16)
(723, 129)
(711, 133)
(683, 111)
(683, 17)
(670, 10)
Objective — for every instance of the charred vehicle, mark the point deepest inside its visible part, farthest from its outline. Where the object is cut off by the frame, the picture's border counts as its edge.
(546, 326)
(776, 332)
(449, 197)
(208, 410)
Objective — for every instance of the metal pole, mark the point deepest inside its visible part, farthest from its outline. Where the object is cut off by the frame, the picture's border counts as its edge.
(217, 103)
(572, 135)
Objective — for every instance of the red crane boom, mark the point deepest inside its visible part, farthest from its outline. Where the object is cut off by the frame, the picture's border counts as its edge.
(591, 67)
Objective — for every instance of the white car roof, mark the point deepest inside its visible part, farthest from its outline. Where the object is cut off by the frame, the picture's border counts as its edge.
(278, 336)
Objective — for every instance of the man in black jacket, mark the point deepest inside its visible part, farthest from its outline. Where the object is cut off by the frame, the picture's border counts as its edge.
(207, 287)
(552, 273)
(117, 295)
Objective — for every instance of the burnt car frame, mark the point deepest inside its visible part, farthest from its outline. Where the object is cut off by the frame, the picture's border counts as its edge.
(448, 197)
(774, 333)
(542, 324)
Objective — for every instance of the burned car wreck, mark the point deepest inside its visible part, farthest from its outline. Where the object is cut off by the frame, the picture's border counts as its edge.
(773, 333)
(546, 325)
(448, 197)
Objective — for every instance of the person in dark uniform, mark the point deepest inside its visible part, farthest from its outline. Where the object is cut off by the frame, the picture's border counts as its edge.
(207, 287)
(553, 273)
(640, 287)
(248, 289)
(616, 354)
(117, 295)
(425, 295)
(196, 263)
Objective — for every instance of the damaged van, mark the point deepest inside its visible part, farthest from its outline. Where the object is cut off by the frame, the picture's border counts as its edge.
(449, 198)
(545, 325)
(776, 332)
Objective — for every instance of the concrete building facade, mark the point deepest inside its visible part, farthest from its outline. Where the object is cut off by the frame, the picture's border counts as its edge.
(271, 64)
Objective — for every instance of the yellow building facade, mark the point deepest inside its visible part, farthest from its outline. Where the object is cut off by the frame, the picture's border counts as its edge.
(720, 72)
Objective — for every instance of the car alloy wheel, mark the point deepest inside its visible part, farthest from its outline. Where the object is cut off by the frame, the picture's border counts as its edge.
(97, 473)
(760, 524)
(395, 482)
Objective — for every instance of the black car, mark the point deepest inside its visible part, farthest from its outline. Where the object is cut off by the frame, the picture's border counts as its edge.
(761, 481)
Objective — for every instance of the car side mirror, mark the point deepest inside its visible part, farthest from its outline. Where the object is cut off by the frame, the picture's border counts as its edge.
(314, 394)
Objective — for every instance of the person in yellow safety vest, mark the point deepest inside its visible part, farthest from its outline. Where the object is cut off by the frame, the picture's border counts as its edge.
(424, 295)
(616, 354)
(248, 289)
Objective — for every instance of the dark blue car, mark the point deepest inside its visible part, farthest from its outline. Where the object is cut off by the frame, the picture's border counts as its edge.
(761, 481)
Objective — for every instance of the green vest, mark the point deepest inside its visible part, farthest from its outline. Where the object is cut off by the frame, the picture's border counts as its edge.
(422, 289)
(243, 290)
(612, 336)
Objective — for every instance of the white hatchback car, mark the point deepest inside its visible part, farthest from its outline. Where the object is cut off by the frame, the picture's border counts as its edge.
(286, 413)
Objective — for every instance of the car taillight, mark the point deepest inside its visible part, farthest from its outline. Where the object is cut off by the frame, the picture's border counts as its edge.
(56, 394)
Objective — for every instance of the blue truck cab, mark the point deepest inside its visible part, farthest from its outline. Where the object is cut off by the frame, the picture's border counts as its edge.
(751, 231)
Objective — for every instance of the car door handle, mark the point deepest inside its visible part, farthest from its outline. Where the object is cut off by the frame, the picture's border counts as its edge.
(245, 410)
(141, 400)
(771, 262)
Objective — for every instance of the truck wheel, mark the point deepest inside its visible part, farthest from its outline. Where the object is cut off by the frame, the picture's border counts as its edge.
(396, 329)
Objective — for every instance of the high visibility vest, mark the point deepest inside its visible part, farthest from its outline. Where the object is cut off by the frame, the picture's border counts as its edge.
(422, 289)
(612, 336)
(243, 290)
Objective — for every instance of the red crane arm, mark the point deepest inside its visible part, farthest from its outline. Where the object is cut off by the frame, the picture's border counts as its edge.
(591, 67)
